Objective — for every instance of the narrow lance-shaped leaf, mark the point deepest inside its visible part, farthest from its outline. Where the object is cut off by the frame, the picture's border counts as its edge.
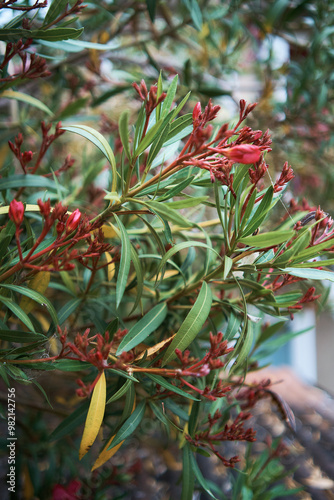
(199, 476)
(96, 138)
(18, 312)
(129, 425)
(109, 451)
(311, 274)
(39, 283)
(169, 97)
(141, 330)
(188, 477)
(28, 99)
(192, 324)
(54, 10)
(95, 416)
(170, 387)
(123, 126)
(139, 277)
(52, 34)
(169, 213)
(267, 239)
(35, 296)
(124, 266)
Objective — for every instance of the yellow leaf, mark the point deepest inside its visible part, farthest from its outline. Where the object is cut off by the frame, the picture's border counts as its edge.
(106, 454)
(110, 267)
(108, 231)
(39, 283)
(167, 274)
(154, 349)
(95, 416)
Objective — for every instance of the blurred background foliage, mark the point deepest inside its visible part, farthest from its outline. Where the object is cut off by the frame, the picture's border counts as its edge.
(279, 53)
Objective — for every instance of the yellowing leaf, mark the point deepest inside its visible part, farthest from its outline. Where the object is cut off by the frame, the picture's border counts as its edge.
(95, 416)
(110, 267)
(155, 348)
(108, 231)
(106, 454)
(39, 283)
(168, 274)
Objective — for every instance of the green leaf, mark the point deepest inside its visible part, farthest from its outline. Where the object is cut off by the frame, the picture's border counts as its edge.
(310, 274)
(193, 418)
(18, 312)
(123, 126)
(20, 336)
(192, 324)
(180, 246)
(151, 7)
(168, 213)
(148, 138)
(141, 330)
(170, 387)
(57, 7)
(268, 239)
(228, 263)
(199, 475)
(71, 422)
(180, 124)
(68, 309)
(245, 347)
(317, 263)
(124, 266)
(96, 138)
(156, 146)
(260, 213)
(139, 277)
(169, 97)
(72, 108)
(158, 412)
(125, 387)
(28, 99)
(188, 477)
(29, 180)
(173, 191)
(129, 425)
(71, 365)
(188, 202)
(37, 297)
(52, 34)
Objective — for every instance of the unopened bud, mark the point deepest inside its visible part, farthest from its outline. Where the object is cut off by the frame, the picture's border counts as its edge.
(27, 157)
(244, 153)
(197, 111)
(16, 212)
(73, 221)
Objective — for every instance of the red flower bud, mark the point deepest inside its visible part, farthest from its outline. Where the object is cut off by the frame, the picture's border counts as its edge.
(197, 111)
(27, 157)
(73, 221)
(245, 153)
(16, 212)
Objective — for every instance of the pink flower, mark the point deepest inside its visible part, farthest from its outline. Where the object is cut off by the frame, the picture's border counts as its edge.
(244, 153)
(73, 221)
(69, 492)
(16, 212)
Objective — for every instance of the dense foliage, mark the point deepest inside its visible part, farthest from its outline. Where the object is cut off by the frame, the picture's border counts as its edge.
(151, 250)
